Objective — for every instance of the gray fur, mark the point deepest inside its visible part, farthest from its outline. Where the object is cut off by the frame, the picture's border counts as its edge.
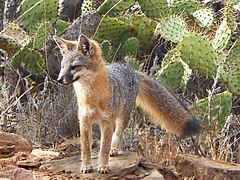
(124, 84)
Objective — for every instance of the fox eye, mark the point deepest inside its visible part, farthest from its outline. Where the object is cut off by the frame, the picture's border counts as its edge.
(75, 67)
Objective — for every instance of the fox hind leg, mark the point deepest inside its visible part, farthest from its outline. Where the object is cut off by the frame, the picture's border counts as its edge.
(121, 124)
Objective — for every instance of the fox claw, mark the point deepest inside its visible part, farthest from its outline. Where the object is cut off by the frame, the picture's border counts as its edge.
(103, 169)
(86, 169)
(114, 152)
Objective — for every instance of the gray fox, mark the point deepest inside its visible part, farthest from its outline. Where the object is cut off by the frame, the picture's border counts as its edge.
(106, 94)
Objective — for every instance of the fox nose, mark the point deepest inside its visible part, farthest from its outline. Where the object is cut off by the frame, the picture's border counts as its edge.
(60, 80)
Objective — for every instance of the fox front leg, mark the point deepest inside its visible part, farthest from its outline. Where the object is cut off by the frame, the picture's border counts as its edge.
(107, 129)
(86, 145)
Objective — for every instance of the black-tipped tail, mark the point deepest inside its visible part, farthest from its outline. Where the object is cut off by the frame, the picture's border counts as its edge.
(191, 127)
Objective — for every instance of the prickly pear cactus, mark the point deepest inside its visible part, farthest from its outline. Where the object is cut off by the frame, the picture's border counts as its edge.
(233, 81)
(203, 17)
(220, 108)
(133, 63)
(106, 50)
(35, 11)
(144, 29)
(232, 65)
(12, 38)
(185, 6)
(40, 34)
(32, 59)
(129, 47)
(174, 75)
(9, 45)
(233, 55)
(111, 28)
(222, 37)
(171, 28)
(199, 54)
(106, 6)
(154, 8)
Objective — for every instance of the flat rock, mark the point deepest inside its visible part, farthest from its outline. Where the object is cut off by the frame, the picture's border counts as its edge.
(17, 174)
(155, 175)
(203, 168)
(11, 143)
(120, 166)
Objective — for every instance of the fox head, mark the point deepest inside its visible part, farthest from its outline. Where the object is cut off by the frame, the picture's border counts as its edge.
(80, 59)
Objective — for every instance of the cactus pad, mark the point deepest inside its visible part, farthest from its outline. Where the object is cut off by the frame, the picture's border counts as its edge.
(203, 17)
(32, 59)
(220, 108)
(111, 28)
(129, 47)
(174, 75)
(222, 37)
(171, 28)
(185, 6)
(35, 11)
(106, 50)
(199, 54)
(106, 6)
(144, 29)
(154, 8)
(233, 81)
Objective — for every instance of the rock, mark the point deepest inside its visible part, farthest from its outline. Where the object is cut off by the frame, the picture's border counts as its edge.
(155, 175)
(17, 174)
(11, 143)
(203, 168)
(141, 172)
(131, 177)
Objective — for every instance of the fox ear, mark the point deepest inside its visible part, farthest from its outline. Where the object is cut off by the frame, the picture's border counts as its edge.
(84, 45)
(62, 44)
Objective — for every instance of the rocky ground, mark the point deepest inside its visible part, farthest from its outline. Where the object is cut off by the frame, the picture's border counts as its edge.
(19, 161)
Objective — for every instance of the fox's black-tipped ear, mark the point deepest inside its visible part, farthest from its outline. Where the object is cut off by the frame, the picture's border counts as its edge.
(62, 44)
(84, 45)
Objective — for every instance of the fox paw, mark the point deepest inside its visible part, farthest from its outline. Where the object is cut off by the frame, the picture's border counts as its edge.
(86, 168)
(114, 152)
(103, 169)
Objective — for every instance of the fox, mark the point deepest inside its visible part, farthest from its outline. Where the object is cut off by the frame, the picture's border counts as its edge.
(106, 95)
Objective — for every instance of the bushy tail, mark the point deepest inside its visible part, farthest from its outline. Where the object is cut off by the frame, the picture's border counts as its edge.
(165, 109)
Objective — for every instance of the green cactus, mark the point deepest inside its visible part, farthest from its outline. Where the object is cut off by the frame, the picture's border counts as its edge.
(40, 34)
(185, 6)
(199, 54)
(106, 50)
(154, 8)
(60, 26)
(144, 29)
(233, 54)
(12, 38)
(171, 56)
(222, 37)
(111, 28)
(106, 6)
(31, 58)
(220, 108)
(174, 75)
(171, 28)
(18, 34)
(35, 11)
(133, 63)
(129, 47)
(9, 45)
(203, 17)
(233, 81)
